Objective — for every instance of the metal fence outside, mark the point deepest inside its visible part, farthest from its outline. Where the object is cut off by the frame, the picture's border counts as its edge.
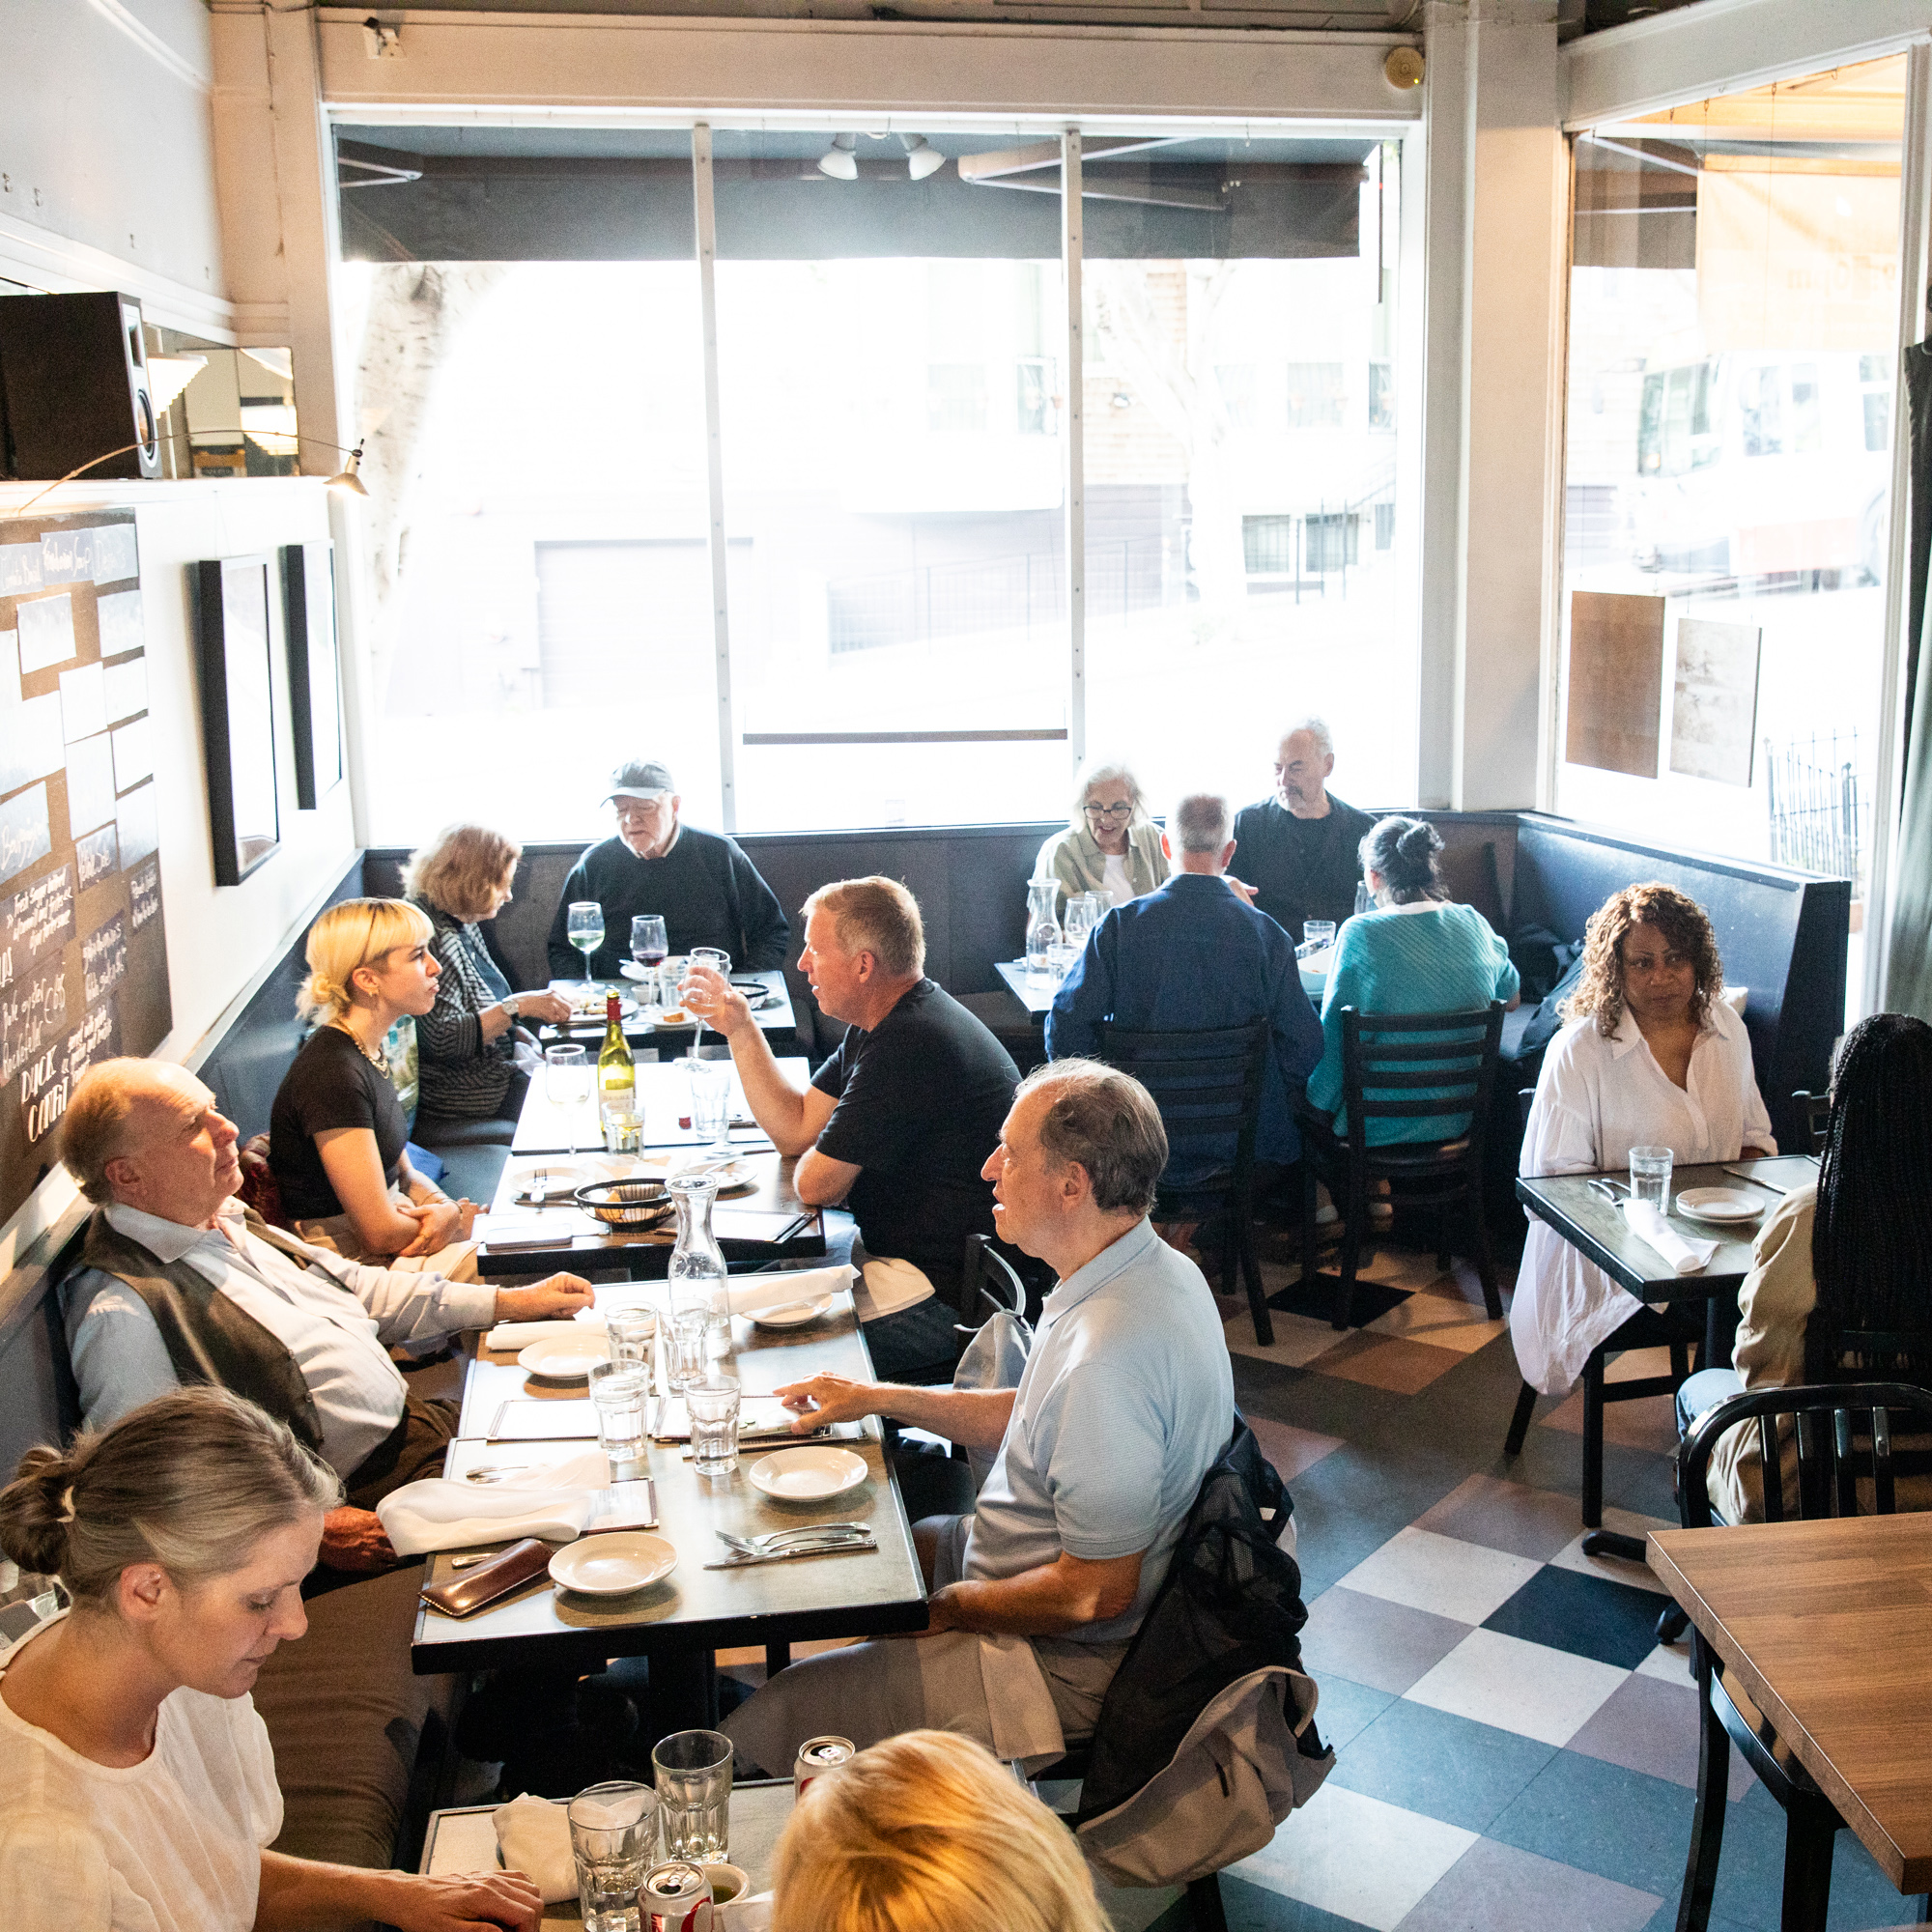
(1817, 805)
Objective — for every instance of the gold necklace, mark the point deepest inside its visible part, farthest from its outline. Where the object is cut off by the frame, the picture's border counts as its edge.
(378, 1059)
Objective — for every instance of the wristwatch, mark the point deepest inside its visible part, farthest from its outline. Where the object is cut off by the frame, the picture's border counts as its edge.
(509, 1005)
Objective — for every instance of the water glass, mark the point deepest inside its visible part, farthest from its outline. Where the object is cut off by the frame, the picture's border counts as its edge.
(711, 1102)
(614, 1832)
(670, 980)
(713, 1404)
(618, 1396)
(1318, 933)
(630, 1330)
(1649, 1176)
(567, 1085)
(686, 1357)
(623, 1131)
(694, 1779)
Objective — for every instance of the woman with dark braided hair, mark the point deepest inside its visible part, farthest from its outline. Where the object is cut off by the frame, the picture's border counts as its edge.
(1652, 1057)
(1854, 1251)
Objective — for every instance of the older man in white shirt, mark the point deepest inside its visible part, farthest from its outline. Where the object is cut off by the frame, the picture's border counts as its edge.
(180, 1285)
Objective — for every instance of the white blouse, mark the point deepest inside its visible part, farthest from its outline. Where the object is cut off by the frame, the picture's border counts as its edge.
(1597, 1099)
(171, 1844)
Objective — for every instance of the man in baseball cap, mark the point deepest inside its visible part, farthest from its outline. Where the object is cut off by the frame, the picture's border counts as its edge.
(707, 890)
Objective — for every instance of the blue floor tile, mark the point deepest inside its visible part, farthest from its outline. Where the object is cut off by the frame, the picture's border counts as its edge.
(1589, 1616)
(1254, 1908)
(1616, 1823)
(1345, 1709)
(1443, 1766)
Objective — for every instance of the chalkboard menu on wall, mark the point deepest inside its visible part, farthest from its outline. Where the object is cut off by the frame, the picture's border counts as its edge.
(83, 959)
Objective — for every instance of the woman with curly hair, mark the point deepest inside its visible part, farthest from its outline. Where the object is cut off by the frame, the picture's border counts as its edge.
(1651, 1056)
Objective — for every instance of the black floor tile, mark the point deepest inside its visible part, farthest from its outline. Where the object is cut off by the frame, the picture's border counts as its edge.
(1316, 1299)
(1589, 1616)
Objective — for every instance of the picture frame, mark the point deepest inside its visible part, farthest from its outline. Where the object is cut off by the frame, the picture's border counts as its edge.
(315, 669)
(234, 619)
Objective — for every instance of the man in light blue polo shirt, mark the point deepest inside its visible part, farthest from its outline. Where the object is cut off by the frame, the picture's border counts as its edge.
(1126, 1400)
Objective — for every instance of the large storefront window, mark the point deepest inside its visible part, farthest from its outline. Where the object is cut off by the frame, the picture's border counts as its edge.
(1733, 316)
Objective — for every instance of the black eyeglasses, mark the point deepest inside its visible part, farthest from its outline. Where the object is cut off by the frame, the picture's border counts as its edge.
(1109, 811)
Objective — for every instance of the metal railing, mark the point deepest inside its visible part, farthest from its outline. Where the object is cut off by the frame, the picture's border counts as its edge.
(1817, 805)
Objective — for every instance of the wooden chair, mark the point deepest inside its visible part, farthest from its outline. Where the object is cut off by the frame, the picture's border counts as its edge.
(1207, 1085)
(1404, 1066)
(1839, 1427)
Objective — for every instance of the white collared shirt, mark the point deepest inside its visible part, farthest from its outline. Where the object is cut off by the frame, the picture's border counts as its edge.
(339, 1340)
(1597, 1099)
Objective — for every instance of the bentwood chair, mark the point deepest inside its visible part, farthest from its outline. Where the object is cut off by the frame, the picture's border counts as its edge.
(1846, 1451)
(1207, 1085)
(1433, 1067)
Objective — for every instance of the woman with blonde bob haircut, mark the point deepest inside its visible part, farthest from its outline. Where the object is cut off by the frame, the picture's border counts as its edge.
(1110, 847)
(337, 1130)
(476, 1058)
(137, 1784)
(928, 1832)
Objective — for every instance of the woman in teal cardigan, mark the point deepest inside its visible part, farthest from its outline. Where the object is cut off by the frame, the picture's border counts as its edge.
(1417, 952)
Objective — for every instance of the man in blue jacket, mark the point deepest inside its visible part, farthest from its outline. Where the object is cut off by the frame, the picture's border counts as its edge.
(1190, 956)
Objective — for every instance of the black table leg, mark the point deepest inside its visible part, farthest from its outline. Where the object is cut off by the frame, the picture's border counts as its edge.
(683, 1691)
(777, 1656)
(1609, 1543)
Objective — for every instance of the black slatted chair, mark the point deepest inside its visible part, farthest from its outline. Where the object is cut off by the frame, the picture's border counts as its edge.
(1404, 1066)
(1647, 1328)
(1207, 1085)
(988, 1286)
(1844, 1436)
(1815, 1111)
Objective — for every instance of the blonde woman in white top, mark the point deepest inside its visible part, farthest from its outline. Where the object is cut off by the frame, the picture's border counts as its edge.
(138, 1787)
(1110, 847)
(1650, 1057)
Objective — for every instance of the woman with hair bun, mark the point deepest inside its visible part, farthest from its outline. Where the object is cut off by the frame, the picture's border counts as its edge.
(337, 1133)
(138, 1787)
(1416, 951)
(1651, 1056)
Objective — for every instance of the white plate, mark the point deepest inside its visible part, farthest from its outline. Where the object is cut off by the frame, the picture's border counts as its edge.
(1722, 1203)
(795, 1316)
(807, 1475)
(563, 1358)
(733, 1174)
(631, 970)
(615, 1564)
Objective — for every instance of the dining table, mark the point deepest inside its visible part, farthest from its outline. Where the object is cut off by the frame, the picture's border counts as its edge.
(757, 1217)
(1823, 1626)
(644, 1027)
(680, 1621)
(664, 1105)
(1584, 1209)
(1036, 991)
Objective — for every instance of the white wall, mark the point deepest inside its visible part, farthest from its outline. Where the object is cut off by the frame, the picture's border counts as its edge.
(107, 155)
(219, 937)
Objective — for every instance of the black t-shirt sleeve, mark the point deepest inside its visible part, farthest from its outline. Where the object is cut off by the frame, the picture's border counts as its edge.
(882, 1106)
(329, 1086)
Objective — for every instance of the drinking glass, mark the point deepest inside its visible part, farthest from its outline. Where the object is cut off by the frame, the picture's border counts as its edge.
(618, 1398)
(630, 1330)
(585, 926)
(694, 1779)
(1317, 934)
(713, 1404)
(685, 1356)
(1084, 912)
(1649, 1176)
(671, 981)
(710, 1101)
(614, 1830)
(719, 962)
(567, 1085)
(650, 945)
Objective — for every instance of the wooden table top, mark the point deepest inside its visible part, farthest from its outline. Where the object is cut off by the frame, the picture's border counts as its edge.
(1824, 1625)
(696, 1609)
(751, 1226)
(1593, 1224)
(664, 1095)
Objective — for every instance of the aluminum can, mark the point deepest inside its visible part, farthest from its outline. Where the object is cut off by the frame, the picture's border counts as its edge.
(816, 1756)
(674, 1897)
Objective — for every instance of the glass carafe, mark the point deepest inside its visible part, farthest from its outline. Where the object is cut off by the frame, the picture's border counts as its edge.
(697, 1274)
(1042, 931)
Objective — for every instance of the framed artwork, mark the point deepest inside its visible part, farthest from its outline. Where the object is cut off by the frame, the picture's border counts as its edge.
(238, 714)
(315, 703)
(1616, 682)
(1714, 720)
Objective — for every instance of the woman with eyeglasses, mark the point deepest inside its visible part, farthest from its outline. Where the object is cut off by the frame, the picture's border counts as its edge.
(337, 1133)
(1111, 846)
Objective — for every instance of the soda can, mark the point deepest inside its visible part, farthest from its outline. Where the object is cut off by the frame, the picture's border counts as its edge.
(816, 1756)
(674, 1897)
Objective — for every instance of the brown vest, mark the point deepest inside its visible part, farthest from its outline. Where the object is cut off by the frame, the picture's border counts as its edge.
(210, 1338)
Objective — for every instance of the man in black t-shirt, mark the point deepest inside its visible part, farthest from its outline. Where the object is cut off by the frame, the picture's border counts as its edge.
(1300, 850)
(901, 1119)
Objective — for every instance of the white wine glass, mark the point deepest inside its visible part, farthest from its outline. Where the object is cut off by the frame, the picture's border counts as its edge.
(567, 1085)
(585, 927)
(719, 962)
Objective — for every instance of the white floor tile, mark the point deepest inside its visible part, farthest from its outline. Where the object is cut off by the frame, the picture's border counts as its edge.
(1298, 1340)
(1617, 1568)
(1356, 1857)
(1525, 1688)
(1670, 1661)
(1441, 1574)
(1446, 1321)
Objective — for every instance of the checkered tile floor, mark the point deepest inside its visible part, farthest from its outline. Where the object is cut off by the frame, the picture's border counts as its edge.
(1515, 1750)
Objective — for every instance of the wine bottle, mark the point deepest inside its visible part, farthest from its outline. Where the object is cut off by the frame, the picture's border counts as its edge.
(617, 1073)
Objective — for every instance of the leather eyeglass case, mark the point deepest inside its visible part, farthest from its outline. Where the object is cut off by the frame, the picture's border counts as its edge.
(469, 1590)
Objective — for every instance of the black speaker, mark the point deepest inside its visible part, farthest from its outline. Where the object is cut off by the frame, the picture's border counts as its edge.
(73, 385)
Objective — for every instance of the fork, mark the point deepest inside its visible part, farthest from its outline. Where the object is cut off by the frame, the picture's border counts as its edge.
(810, 1533)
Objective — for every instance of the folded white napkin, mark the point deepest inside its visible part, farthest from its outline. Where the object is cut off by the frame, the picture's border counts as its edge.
(888, 1286)
(1685, 1257)
(754, 1293)
(554, 1501)
(753, 1913)
(533, 1835)
(507, 1337)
